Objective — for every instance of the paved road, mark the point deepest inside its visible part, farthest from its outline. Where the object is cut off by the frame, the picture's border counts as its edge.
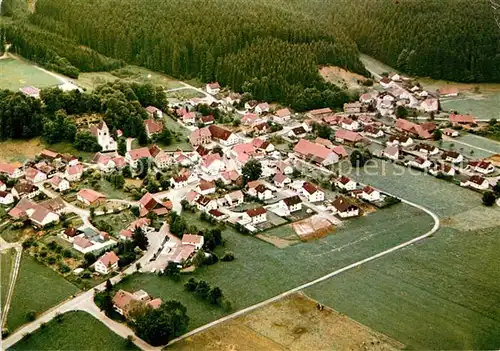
(129, 143)
(323, 278)
(13, 275)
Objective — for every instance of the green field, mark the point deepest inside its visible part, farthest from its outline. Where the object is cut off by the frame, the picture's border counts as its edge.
(129, 74)
(76, 331)
(7, 259)
(441, 293)
(184, 94)
(38, 288)
(118, 221)
(15, 74)
(485, 106)
(260, 270)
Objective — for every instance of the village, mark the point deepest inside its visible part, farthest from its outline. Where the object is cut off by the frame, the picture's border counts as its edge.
(269, 168)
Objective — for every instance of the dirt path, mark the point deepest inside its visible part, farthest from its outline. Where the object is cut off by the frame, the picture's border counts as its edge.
(13, 275)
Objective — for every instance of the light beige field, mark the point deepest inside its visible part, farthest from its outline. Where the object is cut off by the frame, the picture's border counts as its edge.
(339, 76)
(293, 323)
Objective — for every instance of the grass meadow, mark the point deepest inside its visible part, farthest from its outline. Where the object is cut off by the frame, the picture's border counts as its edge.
(17, 73)
(7, 258)
(37, 289)
(76, 331)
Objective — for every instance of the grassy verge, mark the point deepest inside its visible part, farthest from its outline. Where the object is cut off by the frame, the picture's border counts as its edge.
(7, 258)
(38, 288)
(76, 331)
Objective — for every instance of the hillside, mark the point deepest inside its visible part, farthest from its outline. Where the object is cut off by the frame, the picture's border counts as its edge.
(456, 40)
(269, 45)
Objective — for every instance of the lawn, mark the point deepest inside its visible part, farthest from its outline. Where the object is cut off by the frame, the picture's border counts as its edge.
(38, 288)
(118, 221)
(134, 74)
(441, 293)
(484, 106)
(185, 94)
(261, 270)
(76, 331)
(108, 189)
(16, 73)
(180, 142)
(7, 259)
(11, 234)
(22, 150)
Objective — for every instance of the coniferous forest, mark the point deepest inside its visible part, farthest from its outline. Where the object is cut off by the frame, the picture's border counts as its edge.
(270, 48)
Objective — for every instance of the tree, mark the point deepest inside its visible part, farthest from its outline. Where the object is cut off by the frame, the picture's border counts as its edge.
(252, 170)
(401, 112)
(31, 316)
(166, 137)
(218, 150)
(496, 187)
(159, 326)
(191, 285)
(173, 271)
(202, 289)
(89, 258)
(127, 172)
(109, 286)
(489, 198)
(215, 295)
(85, 141)
(228, 256)
(437, 135)
(135, 211)
(142, 167)
(357, 158)
(122, 147)
(140, 239)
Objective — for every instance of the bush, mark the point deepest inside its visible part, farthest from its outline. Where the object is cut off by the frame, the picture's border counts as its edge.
(64, 268)
(228, 256)
(67, 253)
(51, 260)
(31, 316)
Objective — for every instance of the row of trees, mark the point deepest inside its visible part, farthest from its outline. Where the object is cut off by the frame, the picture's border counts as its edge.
(203, 290)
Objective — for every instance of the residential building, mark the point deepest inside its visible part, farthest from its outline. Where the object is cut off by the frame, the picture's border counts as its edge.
(349, 124)
(281, 180)
(235, 198)
(284, 167)
(154, 112)
(36, 213)
(11, 171)
(104, 138)
(347, 136)
(344, 208)
(205, 204)
(3, 187)
(429, 105)
(316, 153)
(462, 120)
(189, 118)
(345, 183)
(292, 204)
(373, 132)
(207, 120)
(444, 169)
(107, 263)
(125, 302)
(213, 88)
(451, 132)
(319, 113)
(25, 189)
(74, 173)
(370, 194)
(133, 156)
(261, 191)
(257, 215)
(476, 182)
(452, 156)
(421, 163)
(223, 136)
(34, 175)
(312, 192)
(200, 136)
(90, 197)
(297, 132)
(391, 152)
(6, 198)
(261, 108)
(206, 187)
(179, 181)
(194, 240)
(148, 203)
(213, 164)
(448, 92)
(263, 145)
(153, 127)
(282, 116)
(482, 167)
(402, 140)
(354, 107)
(427, 149)
(59, 184)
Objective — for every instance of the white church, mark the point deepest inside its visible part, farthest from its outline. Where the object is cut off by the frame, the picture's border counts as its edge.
(101, 132)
